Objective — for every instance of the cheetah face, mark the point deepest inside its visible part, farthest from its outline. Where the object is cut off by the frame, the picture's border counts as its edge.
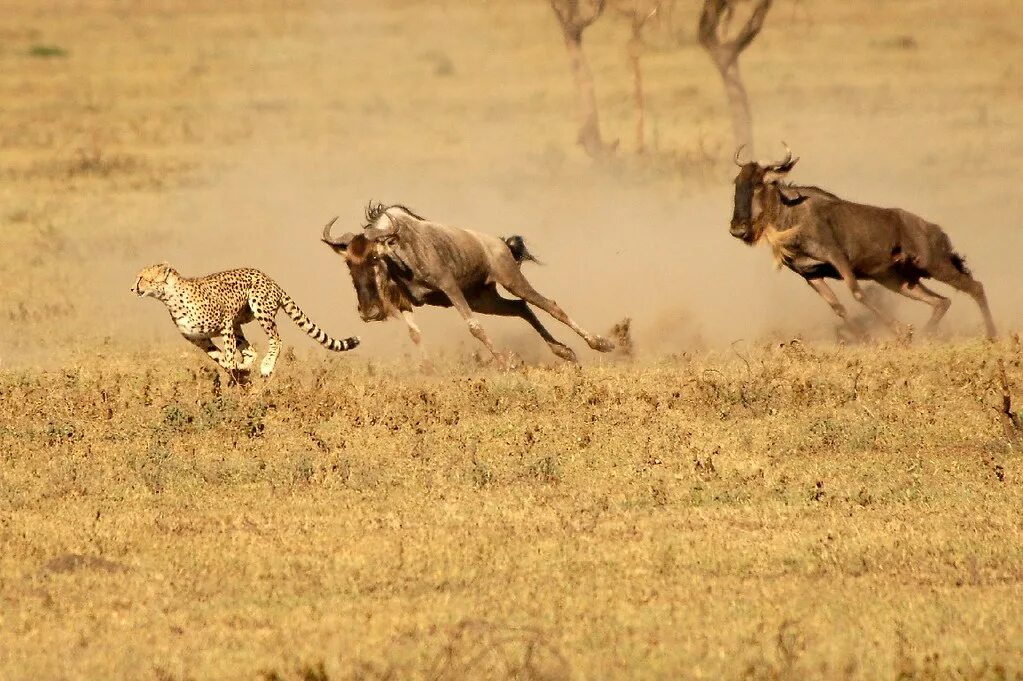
(152, 281)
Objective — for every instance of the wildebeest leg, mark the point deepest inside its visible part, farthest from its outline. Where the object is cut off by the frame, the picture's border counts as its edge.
(825, 292)
(518, 286)
(849, 277)
(415, 334)
(917, 291)
(489, 301)
(413, 329)
(954, 277)
(458, 301)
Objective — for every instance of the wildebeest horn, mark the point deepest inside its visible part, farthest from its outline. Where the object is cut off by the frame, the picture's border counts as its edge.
(737, 152)
(326, 232)
(788, 162)
(341, 241)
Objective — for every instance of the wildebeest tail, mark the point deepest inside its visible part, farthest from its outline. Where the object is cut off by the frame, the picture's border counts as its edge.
(317, 334)
(517, 246)
(959, 262)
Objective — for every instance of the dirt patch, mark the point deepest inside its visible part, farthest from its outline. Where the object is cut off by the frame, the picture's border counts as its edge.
(74, 562)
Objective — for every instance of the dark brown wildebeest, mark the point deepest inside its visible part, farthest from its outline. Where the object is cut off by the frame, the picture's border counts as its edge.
(820, 236)
(402, 261)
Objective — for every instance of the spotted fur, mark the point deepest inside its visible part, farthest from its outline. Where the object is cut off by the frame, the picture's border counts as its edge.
(218, 304)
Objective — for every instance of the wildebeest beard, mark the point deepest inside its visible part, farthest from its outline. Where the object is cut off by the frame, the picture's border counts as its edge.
(380, 289)
(742, 214)
(371, 306)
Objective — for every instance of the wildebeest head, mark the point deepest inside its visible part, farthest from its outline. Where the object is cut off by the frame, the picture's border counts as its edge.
(750, 183)
(367, 257)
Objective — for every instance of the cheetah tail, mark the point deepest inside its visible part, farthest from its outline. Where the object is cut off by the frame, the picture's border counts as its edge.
(318, 334)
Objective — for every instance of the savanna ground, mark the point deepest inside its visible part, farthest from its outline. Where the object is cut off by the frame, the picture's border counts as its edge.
(729, 503)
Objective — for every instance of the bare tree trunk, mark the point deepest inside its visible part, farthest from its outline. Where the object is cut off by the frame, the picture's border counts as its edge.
(638, 13)
(589, 122)
(724, 49)
(738, 105)
(635, 49)
(575, 16)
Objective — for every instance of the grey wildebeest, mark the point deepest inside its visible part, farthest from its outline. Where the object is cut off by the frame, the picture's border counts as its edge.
(401, 261)
(820, 236)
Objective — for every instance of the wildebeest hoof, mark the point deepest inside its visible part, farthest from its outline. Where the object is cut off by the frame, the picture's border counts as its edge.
(847, 334)
(600, 344)
(564, 352)
(904, 333)
(506, 361)
(622, 335)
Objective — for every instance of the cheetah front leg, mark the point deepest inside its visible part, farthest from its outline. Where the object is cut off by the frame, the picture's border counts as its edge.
(230, 359)
(248, 354)
(230, 355)
(209, 347)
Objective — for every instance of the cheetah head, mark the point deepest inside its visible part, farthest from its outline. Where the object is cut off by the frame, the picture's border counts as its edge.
(153, 280)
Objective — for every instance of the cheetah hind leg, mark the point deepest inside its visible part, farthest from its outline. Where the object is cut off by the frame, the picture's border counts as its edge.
(266, 367)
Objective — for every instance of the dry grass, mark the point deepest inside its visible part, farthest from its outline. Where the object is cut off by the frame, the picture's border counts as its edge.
(779, 512)
(704, 510)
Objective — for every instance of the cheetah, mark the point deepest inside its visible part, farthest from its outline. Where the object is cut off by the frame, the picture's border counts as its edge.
(218, 304)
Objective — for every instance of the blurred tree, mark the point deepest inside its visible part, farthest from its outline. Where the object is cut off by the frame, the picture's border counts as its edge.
(726, 28)
(576, 16)
(637, 13)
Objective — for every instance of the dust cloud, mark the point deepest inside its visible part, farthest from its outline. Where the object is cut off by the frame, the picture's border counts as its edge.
(652, 247)
(611, 249)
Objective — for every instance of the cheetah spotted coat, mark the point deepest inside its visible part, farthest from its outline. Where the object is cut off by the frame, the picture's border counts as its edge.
(218, 304)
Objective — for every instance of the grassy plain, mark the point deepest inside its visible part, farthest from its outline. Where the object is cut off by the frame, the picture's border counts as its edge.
(710, 509)
(819, 513)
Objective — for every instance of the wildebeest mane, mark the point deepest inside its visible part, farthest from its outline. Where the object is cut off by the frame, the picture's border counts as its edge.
(375, 210)
(811, 189)
(795, 194)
